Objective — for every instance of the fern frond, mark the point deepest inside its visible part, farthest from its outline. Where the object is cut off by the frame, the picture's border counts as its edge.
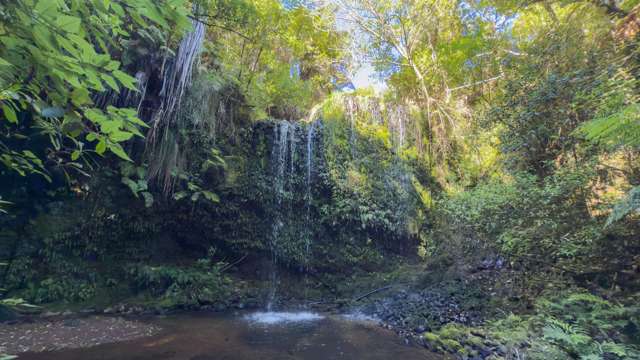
(621, 128)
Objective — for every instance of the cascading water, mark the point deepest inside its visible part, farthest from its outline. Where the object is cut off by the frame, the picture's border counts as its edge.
(279, 165)
(311, 134)
(292, 158)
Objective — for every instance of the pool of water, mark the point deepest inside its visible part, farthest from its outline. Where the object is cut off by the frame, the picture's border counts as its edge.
(255, 336)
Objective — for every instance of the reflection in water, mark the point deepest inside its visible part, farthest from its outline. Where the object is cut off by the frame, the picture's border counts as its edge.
(255, 336)
(272, 317)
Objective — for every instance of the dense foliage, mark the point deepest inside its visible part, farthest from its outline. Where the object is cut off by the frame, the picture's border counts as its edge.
(187, 154)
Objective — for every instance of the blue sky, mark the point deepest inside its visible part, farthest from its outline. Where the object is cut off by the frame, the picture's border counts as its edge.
(366, 77)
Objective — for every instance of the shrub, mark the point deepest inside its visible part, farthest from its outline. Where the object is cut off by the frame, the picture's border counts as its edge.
(200, 284)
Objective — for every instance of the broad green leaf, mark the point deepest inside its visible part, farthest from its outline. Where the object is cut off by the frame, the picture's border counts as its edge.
(47, 6)
(70, 24)
(109, 126)
(180, 195)
(96, 116)
(211, 196)
(110, 81)
(119, 151)
(9, 113)
(120, 136)
(101, 146)
(80, 97)
(127, 81)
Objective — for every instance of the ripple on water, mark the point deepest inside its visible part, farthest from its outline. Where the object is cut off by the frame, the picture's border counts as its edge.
(360, 317)
(272, 318)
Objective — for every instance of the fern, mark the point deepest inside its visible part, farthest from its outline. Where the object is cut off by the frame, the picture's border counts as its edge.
(564, 333)
(621, 128)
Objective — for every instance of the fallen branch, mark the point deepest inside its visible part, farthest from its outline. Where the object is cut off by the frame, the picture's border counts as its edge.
(234, 263)
(372, 292)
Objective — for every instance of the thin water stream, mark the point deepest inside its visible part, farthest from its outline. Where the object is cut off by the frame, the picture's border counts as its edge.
(253, 336)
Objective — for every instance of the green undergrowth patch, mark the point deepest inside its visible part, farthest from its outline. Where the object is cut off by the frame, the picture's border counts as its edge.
(574, 325)
(174, 286)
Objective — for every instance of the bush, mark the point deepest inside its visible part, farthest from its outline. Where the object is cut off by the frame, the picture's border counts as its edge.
(63, 288)
(529, 220)
(200, 284)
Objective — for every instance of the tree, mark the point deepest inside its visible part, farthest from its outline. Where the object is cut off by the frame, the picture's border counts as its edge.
(55, 55)
(284, 58)
(424, 46)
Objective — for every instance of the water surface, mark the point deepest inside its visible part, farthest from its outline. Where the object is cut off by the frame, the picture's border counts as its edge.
(254, 336)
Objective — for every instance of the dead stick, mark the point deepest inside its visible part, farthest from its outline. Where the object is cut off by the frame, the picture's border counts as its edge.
(372, 292)
(233, 264)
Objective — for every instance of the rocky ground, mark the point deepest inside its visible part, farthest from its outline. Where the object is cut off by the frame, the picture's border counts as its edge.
(420, 311)
(413, 310)
(68, 332)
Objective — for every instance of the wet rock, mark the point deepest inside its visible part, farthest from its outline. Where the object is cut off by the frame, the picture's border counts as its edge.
(484, 353)
(70, 322)
(48, 314)
(502, 350)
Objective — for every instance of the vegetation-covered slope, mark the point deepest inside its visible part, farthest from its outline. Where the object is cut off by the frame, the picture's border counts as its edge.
(188, 154)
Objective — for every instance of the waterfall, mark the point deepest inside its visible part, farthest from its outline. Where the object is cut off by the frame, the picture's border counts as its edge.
(283, 157)
(397, 126)
(311, 132)
(292, 166)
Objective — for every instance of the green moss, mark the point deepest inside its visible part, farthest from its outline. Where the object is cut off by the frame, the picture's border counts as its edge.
(475, 341)
(453, 331)
(432, 337)
(452, 345)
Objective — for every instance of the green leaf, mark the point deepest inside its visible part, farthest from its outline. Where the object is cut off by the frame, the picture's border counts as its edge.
(75, 155)
(4, 62)
(110, 81)
(96, 116)
(127, 81)
(211, 196)
(119, 151)
(80, 96)
(70, 24)
(180, 195)
(132, 185)
(47, 6)
(101, 147)
(148, 199)
(120, 136)
(9, 113)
